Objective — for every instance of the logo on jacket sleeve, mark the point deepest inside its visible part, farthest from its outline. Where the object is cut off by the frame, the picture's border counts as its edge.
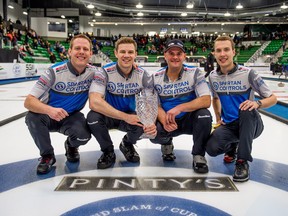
(61, 68)
(99, 79)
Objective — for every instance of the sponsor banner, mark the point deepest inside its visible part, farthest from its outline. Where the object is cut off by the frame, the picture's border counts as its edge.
(12, 70)
(146, 205)
(21, 70)
(150, 64)
(258, 64)
(88, 183)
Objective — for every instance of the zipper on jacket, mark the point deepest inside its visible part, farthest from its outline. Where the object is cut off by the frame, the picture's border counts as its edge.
(76, 84)
(124, 93)
(226, 78)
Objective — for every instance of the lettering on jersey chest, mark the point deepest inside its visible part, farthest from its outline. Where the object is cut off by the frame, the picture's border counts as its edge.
(174, 88)
(83, 85)
(231, 85)
(123, 88)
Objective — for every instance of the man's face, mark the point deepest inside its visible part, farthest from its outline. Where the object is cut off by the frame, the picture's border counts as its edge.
(224, 53)
(175, 57)
(126, 55)
(80, 53)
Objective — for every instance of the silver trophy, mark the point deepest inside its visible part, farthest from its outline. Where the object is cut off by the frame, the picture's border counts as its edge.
(147, 109)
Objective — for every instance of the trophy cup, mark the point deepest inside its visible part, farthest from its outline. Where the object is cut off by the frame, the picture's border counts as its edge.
(147, 108)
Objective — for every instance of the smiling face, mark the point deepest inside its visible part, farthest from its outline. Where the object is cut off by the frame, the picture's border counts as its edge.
(80, 53)
(224, 54)
(126, 54)
(175, 58)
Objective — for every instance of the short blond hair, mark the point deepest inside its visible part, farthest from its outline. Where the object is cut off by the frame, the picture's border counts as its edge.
(125, 40)
(80, 36)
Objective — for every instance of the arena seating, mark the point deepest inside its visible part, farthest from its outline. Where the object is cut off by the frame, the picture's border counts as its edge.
(273, 47)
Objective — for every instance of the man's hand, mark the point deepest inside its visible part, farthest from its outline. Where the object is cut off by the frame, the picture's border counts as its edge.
(150, 130)
(248, 105)
(133, 119)
(57, 114)
(170, 126)
(171, 115)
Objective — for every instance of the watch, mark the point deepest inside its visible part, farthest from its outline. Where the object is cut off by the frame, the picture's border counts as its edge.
(259, 103)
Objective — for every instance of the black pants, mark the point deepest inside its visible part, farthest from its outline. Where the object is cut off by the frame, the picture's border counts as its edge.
(74, 126)
(197, 123)
(100, 124)
(242, 131)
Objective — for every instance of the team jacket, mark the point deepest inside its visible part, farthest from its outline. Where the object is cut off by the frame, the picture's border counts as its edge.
(232, 89)
(120, 91)
(61, 86)
(190, 84)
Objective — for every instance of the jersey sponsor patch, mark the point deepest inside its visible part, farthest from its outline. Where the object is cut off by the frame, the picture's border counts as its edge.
(61, 68)
(99, 79)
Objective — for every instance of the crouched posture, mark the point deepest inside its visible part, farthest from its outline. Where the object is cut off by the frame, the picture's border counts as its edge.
(184, 98)
(56, 101)
(112, 103)
(233, 87)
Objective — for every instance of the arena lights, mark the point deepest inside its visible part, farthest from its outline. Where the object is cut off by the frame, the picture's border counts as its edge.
(190, 5)
(98, 13)
(140, 14)
(239, 6)
(90, 6)
(227, 14)
(284, 6)
(139, 5)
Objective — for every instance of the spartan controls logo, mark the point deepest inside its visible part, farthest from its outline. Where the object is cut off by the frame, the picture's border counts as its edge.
(145, 205)
(76, 183)
(111, 87)
(158, 88)
(215, 85)
(60, 86)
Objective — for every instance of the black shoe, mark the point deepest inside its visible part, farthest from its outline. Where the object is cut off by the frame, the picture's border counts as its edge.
(129, 153)
(241, 173)
(106, 160)
(230, 156)
(167, 152)
(200, 164)
(45, 164)
(72, 153)
(169, 157)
